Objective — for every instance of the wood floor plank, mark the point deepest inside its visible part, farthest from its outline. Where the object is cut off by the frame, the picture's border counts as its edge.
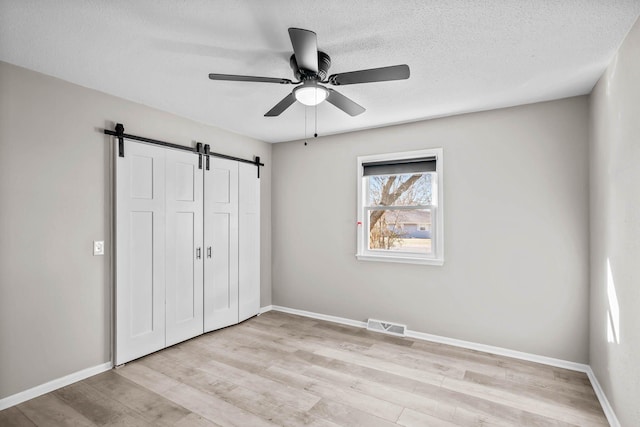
(575, 416)
(583, 390)
(199, 402)
(447, 365)
(297, 398)
(287, 370)
(287, 338)
(434, 401)
(411, 418)
(477, 410)
(381, 365)
(49, 410)
(378, 391)
(148, 378)
(571, 377)
(405, 358)
(13, 417)
(463, 354)
(97, 408)
(249, 337)
(267, 402)
(347, 416)
(151, 406)
(343, 392)
(195, 420)
(274, 411)
(210, 371)
(243, 340)
(303, 340)
(550, 396)
(245, 359)
(214, 408)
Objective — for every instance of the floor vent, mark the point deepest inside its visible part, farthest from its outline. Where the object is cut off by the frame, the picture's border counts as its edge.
(386, 327)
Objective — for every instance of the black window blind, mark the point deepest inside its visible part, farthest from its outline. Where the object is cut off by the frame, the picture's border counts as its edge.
(397, 167)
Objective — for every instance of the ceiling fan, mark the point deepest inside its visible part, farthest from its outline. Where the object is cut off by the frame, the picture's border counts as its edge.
(310, 68)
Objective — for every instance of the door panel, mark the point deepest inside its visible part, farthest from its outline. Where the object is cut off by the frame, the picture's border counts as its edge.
(221, 245)
(184, 179)
(184, 267)
(141, 247)
(220, 224)
(184, 249)
(141, 178)
(219, 183)
(249, 242)
(140, 235)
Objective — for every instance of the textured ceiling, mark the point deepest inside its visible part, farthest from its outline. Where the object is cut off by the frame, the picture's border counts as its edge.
(464, 55)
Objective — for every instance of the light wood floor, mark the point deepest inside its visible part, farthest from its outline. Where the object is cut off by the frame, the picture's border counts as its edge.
(280, 369)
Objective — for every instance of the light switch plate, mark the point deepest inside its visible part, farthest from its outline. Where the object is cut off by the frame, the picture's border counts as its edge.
(98, 247)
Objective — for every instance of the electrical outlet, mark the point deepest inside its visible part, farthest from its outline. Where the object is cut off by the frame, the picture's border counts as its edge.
(98, 247)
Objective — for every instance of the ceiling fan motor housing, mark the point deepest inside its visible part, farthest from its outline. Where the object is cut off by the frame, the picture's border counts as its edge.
(324, 63)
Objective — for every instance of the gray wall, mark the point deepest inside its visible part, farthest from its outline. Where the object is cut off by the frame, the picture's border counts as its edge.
(615, 231)
(54, 195)
(516, 230)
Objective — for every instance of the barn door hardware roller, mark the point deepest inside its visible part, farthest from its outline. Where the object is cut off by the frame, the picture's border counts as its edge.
(200, 149)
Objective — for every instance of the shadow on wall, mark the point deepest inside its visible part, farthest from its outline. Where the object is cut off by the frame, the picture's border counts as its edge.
(613, 308)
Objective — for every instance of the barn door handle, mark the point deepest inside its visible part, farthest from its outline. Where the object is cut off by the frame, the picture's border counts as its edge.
(209, 252)
(198, 253)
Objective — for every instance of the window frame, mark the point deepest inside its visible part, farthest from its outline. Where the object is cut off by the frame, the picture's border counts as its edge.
(437, 213)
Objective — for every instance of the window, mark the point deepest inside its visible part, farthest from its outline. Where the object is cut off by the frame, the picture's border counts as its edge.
(400, 207)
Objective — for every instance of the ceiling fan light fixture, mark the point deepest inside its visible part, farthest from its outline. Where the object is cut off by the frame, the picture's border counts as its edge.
(310, 94)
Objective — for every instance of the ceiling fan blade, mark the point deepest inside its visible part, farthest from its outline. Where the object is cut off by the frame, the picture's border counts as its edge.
(395, 72)
(236, 78)
(281, 106)
(305, 48)
(344, 103)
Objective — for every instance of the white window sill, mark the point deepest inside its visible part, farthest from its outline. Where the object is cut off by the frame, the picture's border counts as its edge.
(398, 259)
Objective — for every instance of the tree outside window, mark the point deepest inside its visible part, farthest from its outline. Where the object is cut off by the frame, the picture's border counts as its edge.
(398, 210)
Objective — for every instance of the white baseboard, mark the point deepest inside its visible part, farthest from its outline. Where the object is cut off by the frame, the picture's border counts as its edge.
(559, 363)
(319, 316)
(604, 402)
(449, 341)
(41, 389)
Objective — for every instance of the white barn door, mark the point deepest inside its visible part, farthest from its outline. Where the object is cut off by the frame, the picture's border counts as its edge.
(249, 241)
(184, 247)
(221, 244)
(140, 246)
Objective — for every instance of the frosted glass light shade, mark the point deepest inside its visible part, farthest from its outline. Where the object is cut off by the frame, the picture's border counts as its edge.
(310, 94)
